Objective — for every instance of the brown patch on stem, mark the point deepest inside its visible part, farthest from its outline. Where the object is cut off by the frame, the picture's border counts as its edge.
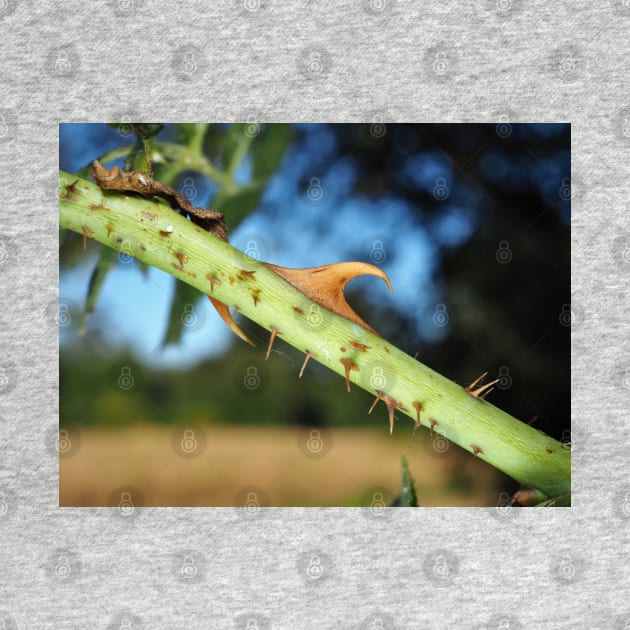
(255, 295)
(308, 356)
(243, 274)
(183, 259)
(274, 332)
(433, 422)
(148, 215)
(476, 449)
(110, 229)
(361, 347)
(213, 280)
(298, 310)
(98, 207)
(348, 367)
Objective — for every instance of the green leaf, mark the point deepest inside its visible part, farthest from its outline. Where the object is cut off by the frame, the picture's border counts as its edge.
(106, 260)
(407, 497)
(269, 149)
(184, 299)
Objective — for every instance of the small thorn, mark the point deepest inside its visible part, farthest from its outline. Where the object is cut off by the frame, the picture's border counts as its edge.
(482, 390)
(86, 232)
(309, 354)
(415, 356)
(476, 449)
(433, 422)
(378, 397)
(348, 366)
(532, 421)
(418, 407)
(391, 408)
(274, 331)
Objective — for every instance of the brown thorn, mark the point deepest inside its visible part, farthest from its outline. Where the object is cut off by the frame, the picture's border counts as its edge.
(348, 366)
(391, 408)
(415, 356)
(418, 407)
(379, 395)
(476, 449)
(274, 331)
(482, 390)
(86, 232)
(433, 423)
(309, 354)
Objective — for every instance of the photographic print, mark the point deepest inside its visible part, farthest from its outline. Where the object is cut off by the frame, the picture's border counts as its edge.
(366, 315)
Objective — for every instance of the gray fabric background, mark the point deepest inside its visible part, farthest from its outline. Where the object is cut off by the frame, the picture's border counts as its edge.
(310, 61)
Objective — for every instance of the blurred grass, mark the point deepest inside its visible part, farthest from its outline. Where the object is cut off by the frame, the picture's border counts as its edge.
(358, 463)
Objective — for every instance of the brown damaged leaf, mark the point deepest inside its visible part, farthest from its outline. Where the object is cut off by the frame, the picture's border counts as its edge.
(325, 285)
(144, 184)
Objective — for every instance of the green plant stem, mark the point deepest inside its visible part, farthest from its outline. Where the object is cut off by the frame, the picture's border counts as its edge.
(150, 231)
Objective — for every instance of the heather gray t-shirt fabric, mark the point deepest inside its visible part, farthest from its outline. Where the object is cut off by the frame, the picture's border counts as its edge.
(377, 60)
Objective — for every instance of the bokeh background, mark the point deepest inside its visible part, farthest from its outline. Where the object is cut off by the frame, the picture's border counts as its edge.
(161, 405)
